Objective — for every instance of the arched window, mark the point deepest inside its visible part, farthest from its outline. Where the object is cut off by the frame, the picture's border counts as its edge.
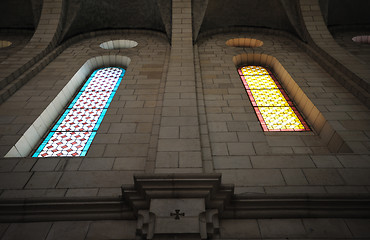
(75, 130)
(274, 109)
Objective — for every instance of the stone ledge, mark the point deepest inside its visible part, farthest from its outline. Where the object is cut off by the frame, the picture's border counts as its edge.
(298, 205)
(154, 186)
(63, 209)
(240, 207)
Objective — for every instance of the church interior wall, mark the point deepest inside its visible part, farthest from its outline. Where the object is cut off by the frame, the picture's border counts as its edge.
(18, 40)
(234, 131)
(330, 161)
(129, 120)
(344, 39)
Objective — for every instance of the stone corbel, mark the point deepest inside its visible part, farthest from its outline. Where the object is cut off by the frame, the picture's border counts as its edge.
(171, 204)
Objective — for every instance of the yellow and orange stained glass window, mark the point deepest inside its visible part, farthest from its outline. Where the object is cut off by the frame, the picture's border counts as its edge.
(274, 109)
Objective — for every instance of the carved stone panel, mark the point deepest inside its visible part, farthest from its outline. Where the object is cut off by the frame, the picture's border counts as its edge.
(177, 215)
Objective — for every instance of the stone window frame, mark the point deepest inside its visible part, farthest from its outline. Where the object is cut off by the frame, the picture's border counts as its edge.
(35, 133)
(318, 123)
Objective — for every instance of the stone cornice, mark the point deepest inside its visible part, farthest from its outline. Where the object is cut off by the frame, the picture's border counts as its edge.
(63, 209)
(298, 205)
(216, 196)
(207, 186)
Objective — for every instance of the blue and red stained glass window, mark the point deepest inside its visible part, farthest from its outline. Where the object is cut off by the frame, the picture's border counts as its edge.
(274, 109)
(75, 130)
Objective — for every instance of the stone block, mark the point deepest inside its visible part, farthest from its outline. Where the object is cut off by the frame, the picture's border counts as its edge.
(281, 228)
(34, 193)
(223, 137)
(24, 165)
(355, 176)
(44, 180)
(359, 227)
(282, 161)
(326, 161)
(122, 128)
(32, 231)
(355, 161)
(110, 192)
(245, 191)
(251, 137)
(326, 228)
(346, 189)
(96, 164)
(107, 138)
(169, 132)
(82, 192)
(134, 138)
(231, 162)
(294, 177)
(7, 165)
(129, 163)
(252, 177)
(217, 127)
(170, 145)
(188, 111)
(72, 230)
(190, 159)
(144, 127)
(219, 149)
(239, 229)
(179, 121)
(95, 179)
(68, 164)
(189, 132)
(14, 180)
(126, 150)
(241, 149)
(323, 177)
(295, 189)
(289, 141)
(45, 164)
(111, 229)
(167, 159)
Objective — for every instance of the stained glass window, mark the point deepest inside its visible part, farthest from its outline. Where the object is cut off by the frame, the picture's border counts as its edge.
(274, 109)
(73, 133)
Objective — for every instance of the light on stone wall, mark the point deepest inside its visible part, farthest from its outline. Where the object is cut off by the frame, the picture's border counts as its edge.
(4, 44)
(244, 42)
(118, 44)
(362, 39)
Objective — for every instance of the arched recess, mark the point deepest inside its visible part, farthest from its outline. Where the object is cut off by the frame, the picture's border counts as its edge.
(42, 124)
(313, 116)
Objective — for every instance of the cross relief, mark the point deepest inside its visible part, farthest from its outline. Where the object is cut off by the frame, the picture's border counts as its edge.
(177, 214)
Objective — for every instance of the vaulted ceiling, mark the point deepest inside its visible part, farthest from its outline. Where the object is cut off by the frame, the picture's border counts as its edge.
(20, 14)
(82, 16)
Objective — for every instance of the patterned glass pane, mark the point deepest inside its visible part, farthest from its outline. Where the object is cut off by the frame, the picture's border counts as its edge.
(75, 130)
(272, 105)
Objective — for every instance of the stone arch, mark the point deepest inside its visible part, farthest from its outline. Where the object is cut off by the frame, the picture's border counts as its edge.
(312, 114)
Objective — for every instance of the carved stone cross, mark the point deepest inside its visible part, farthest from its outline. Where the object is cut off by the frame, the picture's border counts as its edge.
(177, 214)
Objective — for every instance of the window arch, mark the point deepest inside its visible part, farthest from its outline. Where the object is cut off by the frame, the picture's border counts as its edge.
(76, 128)
(274, 109)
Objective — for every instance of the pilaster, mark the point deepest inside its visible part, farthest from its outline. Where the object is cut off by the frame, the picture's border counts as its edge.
(179, 148)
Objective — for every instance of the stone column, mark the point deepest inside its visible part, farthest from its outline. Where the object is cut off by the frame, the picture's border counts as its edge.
(179, 141)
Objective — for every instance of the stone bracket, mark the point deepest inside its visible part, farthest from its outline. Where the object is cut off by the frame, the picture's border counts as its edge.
(177, 203)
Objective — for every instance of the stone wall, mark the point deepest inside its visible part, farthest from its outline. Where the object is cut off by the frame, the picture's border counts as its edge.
(181, 126)
(125, 140)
